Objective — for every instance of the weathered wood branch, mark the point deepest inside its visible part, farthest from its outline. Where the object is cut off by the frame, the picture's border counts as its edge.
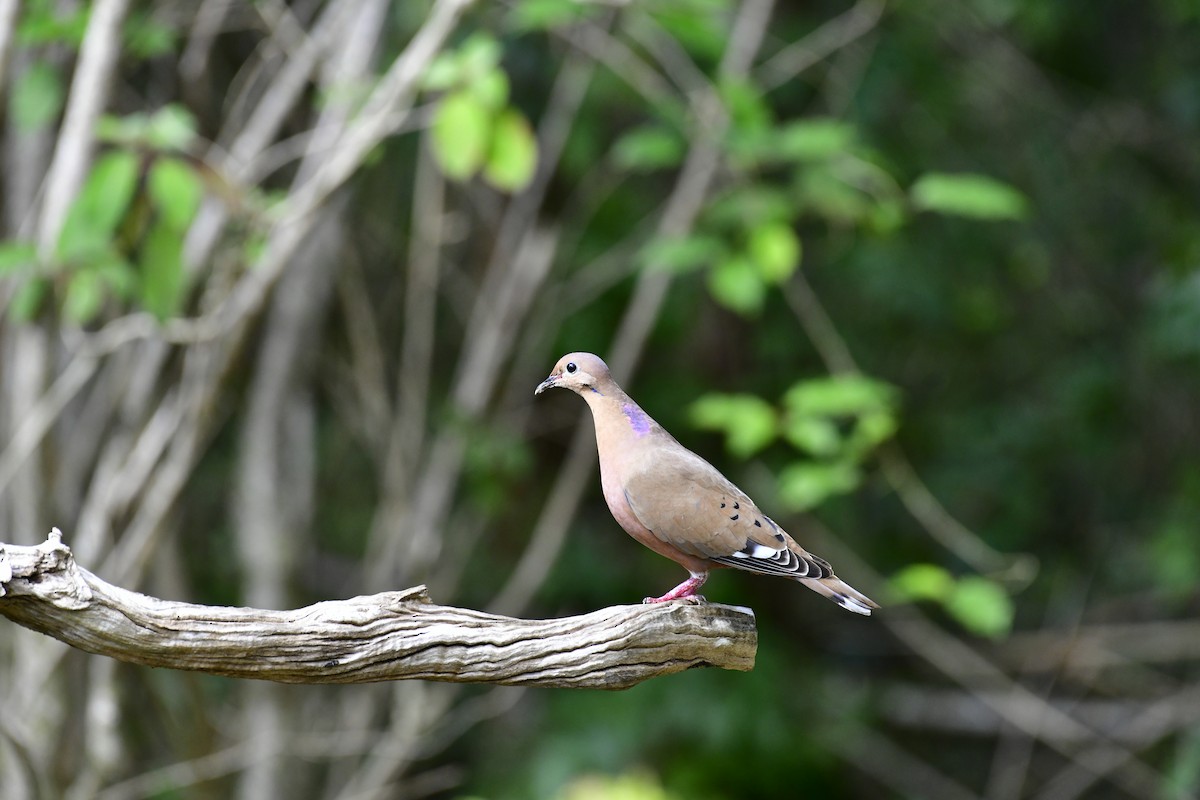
(387, 636)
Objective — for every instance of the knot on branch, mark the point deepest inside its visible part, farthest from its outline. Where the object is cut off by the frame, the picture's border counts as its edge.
(46, 571)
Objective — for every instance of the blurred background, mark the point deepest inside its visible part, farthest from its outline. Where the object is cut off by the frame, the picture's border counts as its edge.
(278, 281)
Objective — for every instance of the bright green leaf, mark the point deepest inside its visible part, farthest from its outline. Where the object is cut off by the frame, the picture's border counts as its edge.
(491, 89)
(981, 606)
(444, 73)
(27, 300)
(93, 217)
(176, 190)
(53, 26)
(479, 55)
(922, 582)
(838, 395)
(749, 422)
(804, 485)
(545, 14)
(967, 195)
(681, 254)
(84, 298)
(129, 130)
(461, 131)
(37, 97)
(512, 160)
(172, 127)
(813, 139)
(817, 436)
(747, 109)
(162, 271)
(775, 250)
(648, 148)
(736, 284)
(873, 428)
(16, 256)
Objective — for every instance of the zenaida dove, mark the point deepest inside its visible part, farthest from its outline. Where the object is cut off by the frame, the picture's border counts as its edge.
(677, 504)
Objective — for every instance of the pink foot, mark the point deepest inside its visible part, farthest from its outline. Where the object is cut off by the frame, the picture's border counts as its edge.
(685, 590)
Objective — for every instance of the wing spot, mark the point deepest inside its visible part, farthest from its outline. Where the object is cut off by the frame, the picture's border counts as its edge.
(722, 505)
(779, 537)
(757, 524)
(734, 517)
(735, 505)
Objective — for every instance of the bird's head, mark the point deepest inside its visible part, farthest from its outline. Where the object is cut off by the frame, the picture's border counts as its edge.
(579, 372)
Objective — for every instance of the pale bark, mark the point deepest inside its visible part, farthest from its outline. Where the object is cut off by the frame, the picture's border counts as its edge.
(387, 636)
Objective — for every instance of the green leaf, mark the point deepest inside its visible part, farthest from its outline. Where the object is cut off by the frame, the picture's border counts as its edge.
(817, 436)
(444, 73)
(838, 395)
(129, 130)
(512, 159)
(830, 197)
(172, 127)
(981, 606)
(491, 89)
(887, 216)
(176, 190)
(749, 205)
(873, 428)
(736, 284)
(702, 28)
(162, 271)
(749, 422)
(966, 195)
(461, 131)
(681, 254)
(27, 300)
(17, 257)
(775, 250)
(479, 55)
(102, 202)
(814, 139)
(37, 97)
(648, 148)
(544, 14)
(146, 37)
(922, 582)
(804, 485)
(748, 110)
(52, 25)
(85, 296)
(118, 275)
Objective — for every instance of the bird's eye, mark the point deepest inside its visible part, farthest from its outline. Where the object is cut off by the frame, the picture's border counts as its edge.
(571, 367)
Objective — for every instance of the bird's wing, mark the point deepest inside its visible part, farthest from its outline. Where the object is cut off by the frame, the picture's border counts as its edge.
(684, 501)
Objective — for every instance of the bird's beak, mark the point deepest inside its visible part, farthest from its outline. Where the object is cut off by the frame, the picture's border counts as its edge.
(549, 383)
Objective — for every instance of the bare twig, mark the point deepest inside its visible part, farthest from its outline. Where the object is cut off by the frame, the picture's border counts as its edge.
(89, 93)
(823, 42)
(920, 502)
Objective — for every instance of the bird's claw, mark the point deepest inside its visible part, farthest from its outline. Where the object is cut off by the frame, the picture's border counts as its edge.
(691, 599)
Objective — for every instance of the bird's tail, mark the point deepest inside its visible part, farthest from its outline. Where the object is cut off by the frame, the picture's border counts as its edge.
(842, 593)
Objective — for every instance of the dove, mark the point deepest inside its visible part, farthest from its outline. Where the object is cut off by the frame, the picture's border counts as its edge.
(677, 504)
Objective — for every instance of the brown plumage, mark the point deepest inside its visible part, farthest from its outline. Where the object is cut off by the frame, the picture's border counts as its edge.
(679, 505)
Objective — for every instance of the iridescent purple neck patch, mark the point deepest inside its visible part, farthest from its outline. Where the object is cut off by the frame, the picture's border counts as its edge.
(637, 418)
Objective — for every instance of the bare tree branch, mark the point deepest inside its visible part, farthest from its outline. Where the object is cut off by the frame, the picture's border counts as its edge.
(388, 636)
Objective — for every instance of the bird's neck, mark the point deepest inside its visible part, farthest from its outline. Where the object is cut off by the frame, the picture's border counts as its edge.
(620, 422)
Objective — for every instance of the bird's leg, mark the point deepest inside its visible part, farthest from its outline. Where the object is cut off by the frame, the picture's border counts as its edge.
(687, 589)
